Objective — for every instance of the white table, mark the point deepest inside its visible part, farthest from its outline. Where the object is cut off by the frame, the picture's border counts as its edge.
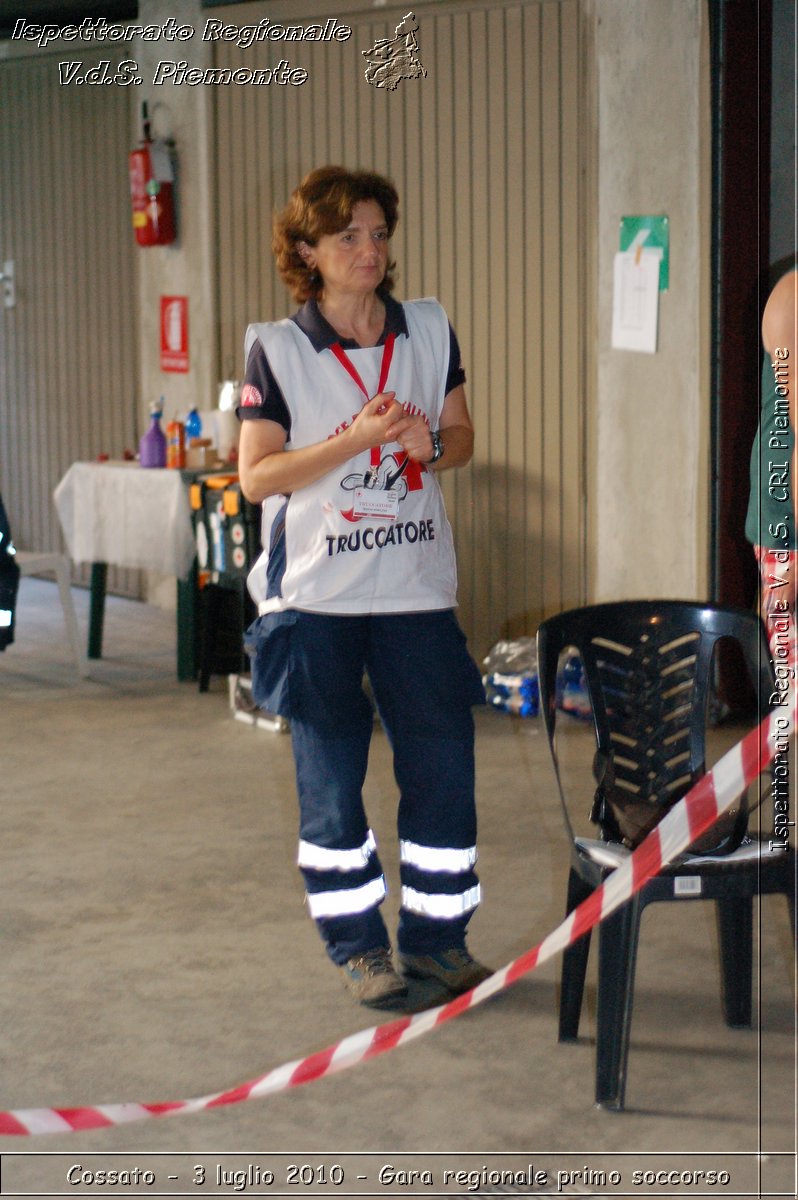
(128, 515)
(121, 513)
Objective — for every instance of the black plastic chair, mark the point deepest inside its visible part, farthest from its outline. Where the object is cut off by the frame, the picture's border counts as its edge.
(648, 667)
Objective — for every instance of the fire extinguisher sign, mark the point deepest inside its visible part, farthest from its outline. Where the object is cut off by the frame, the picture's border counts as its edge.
(174, 333)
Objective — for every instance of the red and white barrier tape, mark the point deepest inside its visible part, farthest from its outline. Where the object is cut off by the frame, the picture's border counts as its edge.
(699, 809)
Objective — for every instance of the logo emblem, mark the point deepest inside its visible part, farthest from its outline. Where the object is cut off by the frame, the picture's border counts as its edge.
(393, 59)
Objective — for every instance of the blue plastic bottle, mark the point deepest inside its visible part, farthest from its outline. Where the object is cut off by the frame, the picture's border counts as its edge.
(193, 425)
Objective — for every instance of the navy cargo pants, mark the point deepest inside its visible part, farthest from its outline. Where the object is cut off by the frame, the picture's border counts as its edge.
(425, 684)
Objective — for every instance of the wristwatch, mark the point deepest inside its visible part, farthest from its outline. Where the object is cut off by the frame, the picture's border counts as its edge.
(437, 447)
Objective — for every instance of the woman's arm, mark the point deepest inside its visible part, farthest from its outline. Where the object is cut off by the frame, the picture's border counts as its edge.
(456, 430)
(266, 468)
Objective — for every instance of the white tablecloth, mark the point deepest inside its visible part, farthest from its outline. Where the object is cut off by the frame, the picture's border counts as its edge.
(127, 515)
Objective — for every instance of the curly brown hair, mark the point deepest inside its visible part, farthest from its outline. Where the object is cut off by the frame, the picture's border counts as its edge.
(322, 204)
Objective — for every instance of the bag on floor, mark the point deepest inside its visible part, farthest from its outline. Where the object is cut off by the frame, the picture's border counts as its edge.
(624, 816)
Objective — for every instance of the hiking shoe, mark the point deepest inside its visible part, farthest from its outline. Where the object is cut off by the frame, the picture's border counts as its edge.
(455, 969)
(371, 979)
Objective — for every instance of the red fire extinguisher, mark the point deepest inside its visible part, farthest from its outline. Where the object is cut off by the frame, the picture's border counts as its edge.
(152, 189)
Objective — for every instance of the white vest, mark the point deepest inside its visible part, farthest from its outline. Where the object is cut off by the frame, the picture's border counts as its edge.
(337, 562)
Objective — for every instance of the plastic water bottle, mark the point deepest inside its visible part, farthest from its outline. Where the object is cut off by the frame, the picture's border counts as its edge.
(152, 447)
(572, 694)
(516, 693)
(193, 425)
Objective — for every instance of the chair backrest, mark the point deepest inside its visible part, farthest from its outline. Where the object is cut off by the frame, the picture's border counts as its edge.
(648, 670)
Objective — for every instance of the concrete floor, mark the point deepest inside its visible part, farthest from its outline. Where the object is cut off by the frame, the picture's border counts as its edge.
(155, 947)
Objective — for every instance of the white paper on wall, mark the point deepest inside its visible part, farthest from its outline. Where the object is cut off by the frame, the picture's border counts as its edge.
(635, 300)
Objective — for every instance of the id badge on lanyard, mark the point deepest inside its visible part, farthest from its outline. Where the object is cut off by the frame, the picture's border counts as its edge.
(371, 500)
(382, 503)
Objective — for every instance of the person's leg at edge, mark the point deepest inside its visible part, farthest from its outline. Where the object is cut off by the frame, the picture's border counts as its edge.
(778, 571)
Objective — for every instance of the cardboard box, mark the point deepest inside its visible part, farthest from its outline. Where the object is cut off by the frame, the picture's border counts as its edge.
(201, 454)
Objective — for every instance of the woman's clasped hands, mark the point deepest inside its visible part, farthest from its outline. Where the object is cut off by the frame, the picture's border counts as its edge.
(383, 420)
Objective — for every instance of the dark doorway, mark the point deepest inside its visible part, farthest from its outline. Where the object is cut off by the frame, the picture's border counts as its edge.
(741, 43)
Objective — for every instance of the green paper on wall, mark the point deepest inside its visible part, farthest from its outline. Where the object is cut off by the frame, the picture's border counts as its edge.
(651, 233)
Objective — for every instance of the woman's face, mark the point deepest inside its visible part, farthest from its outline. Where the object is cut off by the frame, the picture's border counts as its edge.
(355, 260)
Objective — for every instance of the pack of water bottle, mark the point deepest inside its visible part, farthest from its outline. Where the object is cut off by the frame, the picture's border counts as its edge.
(510, 679)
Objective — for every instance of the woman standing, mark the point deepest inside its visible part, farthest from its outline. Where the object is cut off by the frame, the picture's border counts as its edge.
(349, 409)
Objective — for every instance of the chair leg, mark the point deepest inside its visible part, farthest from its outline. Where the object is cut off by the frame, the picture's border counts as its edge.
(210, 606)
(574, 966)
(70, 620)
(735, 934)
(188, 625)
(99, 581)
(617, 957)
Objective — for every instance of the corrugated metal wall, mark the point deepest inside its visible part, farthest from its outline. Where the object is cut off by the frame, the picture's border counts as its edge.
(486, 154)
(68, 359)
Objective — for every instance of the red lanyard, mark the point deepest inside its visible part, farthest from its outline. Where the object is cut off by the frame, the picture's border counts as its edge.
(349, 366)
(385, 366)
